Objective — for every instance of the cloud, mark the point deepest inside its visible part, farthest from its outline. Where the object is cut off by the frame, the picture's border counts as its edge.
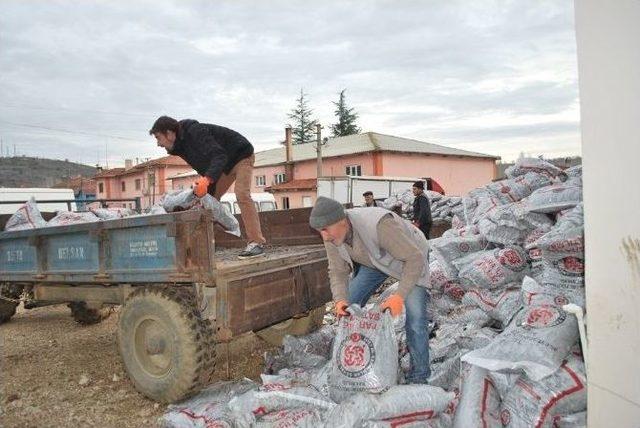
(429, 70)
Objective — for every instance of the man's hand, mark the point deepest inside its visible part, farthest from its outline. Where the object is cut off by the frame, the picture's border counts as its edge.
(394, 303)
(341, 308)
(201, 186)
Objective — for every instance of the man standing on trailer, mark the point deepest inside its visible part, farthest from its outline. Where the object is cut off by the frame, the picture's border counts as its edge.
(364, 248)
(221, 156)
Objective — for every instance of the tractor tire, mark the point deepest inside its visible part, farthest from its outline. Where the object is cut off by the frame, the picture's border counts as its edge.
(85, 315)
(10, 302)
(293, 326)
(167, 349)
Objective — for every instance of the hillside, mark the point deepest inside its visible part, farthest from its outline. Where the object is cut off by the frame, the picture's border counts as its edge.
(24, 171)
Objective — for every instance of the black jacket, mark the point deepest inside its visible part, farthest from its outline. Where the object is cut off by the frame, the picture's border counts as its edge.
(210, 149)
(422, 213)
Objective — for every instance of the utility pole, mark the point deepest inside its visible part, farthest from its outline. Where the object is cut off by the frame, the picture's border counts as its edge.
(318, 147)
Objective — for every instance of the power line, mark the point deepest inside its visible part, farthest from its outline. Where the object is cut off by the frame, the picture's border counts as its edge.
(57, 109)
(66, 131)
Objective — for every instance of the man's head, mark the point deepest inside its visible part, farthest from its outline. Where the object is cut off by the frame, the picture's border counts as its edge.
(368, 197)
(418, 187)
(329, 218)
(165, 130)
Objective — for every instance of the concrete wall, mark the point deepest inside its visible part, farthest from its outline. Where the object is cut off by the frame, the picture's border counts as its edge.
(609, 62)
(456, 175)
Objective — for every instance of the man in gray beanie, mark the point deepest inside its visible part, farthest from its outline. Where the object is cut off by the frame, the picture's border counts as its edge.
(365, 247)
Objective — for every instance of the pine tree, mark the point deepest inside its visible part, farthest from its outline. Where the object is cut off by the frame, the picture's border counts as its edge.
(304, 128)
(346, 119)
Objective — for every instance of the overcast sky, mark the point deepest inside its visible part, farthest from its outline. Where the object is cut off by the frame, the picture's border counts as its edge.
(85, 80)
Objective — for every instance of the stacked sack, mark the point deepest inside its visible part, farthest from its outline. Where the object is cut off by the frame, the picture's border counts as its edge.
(503, 351)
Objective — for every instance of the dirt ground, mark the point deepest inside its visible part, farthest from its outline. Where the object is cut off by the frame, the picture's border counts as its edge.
(54, 372)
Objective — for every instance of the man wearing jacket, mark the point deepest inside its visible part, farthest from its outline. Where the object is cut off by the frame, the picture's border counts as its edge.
(221, 156)
(365, 247)
(421, 209)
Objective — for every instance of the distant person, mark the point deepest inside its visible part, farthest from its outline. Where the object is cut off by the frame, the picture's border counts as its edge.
(221, 156)
(369, 201)
(421, 209)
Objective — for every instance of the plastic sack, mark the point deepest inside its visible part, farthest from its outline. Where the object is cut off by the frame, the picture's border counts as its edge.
(26, 217)
(533, 252)
(495, 268)
(64, 218)
(500, 305)
(311, 350)
(468, 314)
(536, 342)
(365, 354)
(511, 224)
(479, 404)
(446, 374)
(535, 404)
(112, 213)
(503, 382)
(536, 294)
(518, 188)
(220, 214)
(561, 242)
(474, 338)
(525, 165)
(555, 198)
(288, 418)
(208, 408)
(408, 403)
(180, 200)
(438, 277)
(157, 209)
(254, 403)
(446, 250)
(575, 420)
(567, 273)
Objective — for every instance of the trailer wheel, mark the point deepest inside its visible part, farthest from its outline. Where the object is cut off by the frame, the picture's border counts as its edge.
(167, 349)
(85, 315)
(293, 326)
(9, 301)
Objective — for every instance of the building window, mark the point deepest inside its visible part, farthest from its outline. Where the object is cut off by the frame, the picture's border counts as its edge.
(261, 181)
(122, 186)
(280, 178)
(138, 184)
(285, 203)
(100, 187)
(306, 201)
(354, 170)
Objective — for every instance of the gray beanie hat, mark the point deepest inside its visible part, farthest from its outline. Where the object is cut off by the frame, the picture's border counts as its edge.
(326, 212)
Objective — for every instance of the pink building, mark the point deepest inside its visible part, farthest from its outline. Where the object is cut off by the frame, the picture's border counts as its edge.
(293, 180)
(146, 180)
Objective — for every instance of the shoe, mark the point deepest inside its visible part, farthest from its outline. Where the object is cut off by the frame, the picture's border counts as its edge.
(253, 250)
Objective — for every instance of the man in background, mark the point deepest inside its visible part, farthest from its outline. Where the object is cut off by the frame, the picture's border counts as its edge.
(369, 201)
(421, 209)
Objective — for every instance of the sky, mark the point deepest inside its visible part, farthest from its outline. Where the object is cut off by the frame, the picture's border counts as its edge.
(84, 80)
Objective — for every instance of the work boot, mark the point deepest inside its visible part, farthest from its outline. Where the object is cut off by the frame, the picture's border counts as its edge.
(253, 250)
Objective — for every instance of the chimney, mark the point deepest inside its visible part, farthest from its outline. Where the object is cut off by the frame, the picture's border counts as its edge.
(98, 169)
(288, 166)
(128, 163)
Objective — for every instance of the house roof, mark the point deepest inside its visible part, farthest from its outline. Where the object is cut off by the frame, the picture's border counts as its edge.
(362, 143)
(153, 163)
(77, 183)
(302, 184)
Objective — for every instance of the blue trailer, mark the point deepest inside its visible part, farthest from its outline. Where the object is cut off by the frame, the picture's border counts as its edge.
(181, 288)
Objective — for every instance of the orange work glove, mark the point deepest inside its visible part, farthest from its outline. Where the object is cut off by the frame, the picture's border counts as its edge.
(394, 303)
(341, 308)
(201, 186)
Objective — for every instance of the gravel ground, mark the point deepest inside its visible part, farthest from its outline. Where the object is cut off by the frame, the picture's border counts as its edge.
(54, 372)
